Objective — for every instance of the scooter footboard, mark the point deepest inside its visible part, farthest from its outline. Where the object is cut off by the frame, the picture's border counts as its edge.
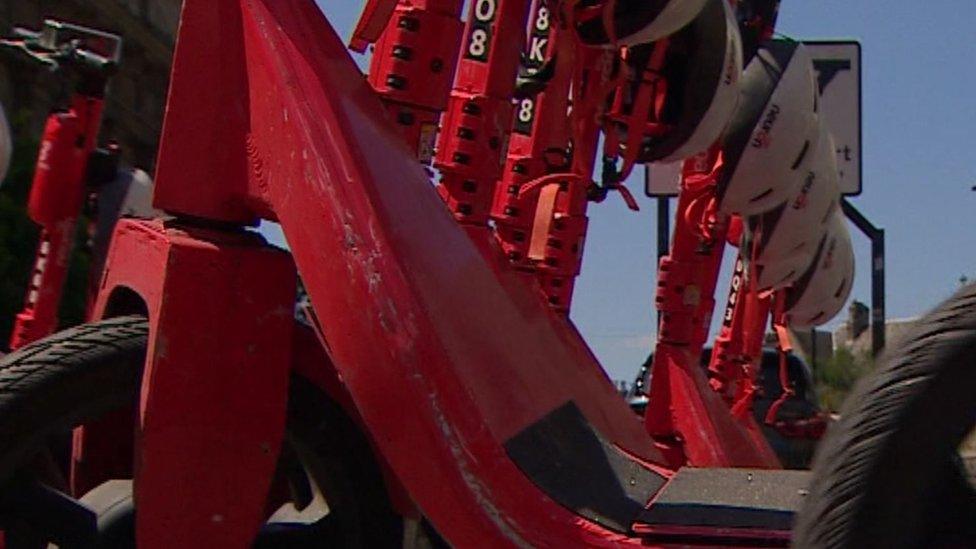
(725, 507)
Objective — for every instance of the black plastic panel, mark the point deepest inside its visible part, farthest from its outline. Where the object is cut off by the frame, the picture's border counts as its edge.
(729, 498)
(578, 468)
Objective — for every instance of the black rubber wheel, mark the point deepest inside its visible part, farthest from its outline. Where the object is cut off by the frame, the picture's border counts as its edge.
(888, 473)
(76, 376)
(64, 380)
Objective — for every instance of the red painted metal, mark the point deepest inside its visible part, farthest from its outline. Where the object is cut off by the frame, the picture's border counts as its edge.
(784, 347)
(636, 110)
(682, 406)
(542, 227)
(559, 229)
(738, 348)
(56, 199)
(473, 141)
(444, 350)
(724, 368)
(212, 410)
(413, 68)
(376, 14)
(753, 334)
(212, 77)
(539, 140)
(400, 317)
(561, 243)
(104, 450)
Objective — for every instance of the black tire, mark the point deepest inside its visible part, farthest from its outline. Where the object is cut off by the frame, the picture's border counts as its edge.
(61, 381)
(76, 376)
(340, 462)
(888, 473)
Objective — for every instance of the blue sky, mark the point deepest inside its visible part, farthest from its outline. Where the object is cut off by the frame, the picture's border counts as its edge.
(919, 127)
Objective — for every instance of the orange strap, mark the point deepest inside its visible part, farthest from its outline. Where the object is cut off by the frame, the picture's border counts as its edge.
(744, 403)
(628, 198)
(543, 222)
(783, 338)
(589, 96)
(548, 188)
(642, 108)
(785, 347)
(551, 179)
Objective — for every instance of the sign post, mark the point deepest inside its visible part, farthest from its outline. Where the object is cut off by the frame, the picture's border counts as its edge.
(838, 67)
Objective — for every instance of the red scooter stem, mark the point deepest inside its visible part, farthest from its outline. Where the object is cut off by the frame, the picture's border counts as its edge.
(540, 203)
(413, 68)
(682, 406)
(56, 199)
(564, 238)
(738, 348)
(473, 142)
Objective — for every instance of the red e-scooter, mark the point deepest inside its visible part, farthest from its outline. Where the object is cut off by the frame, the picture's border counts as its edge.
(431, 385)
(88, 58)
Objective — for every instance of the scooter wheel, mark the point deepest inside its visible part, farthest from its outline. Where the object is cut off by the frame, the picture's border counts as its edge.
(75, 377)
(889, 473)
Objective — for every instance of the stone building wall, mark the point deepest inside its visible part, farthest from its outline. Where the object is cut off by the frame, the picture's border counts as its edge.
(895, 330)
(136, 99)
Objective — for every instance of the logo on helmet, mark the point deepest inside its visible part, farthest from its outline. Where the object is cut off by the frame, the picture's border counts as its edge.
(731, 72)
(762, 140)
(829, 256)
(801, 201)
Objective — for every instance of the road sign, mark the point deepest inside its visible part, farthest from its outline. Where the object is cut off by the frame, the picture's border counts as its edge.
(838, 66)
(663, 180)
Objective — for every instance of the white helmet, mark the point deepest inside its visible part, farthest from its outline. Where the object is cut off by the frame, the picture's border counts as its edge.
(6, 145)
(706, 57)
(780, 274)
(789, 235)
(634, 21)
(773, 130)
(823, 290)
